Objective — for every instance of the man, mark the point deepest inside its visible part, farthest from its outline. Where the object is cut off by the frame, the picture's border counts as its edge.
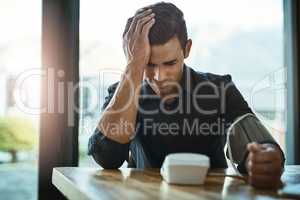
(161, 106)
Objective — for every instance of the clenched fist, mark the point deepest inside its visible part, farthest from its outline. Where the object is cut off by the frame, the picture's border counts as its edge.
(264, 165)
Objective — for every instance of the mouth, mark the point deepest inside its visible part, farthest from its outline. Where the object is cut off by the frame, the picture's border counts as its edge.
(164, 84)
(163, 87)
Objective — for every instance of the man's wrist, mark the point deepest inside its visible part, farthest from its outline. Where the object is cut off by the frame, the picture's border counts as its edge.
(134, 71)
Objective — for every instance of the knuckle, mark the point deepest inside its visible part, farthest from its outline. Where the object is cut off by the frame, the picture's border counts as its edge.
(135, 19)
(252, 169)
(139, 16)
(147, 17)
(143, 20)
(252, 158)
(250, 165)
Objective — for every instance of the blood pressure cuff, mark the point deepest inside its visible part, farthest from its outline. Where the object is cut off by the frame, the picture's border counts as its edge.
(249, 129)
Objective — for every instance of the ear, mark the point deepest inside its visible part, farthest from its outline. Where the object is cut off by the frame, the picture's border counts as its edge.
(188, 48)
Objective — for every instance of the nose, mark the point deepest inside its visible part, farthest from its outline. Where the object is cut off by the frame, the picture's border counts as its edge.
(156, 73)
(160, 74)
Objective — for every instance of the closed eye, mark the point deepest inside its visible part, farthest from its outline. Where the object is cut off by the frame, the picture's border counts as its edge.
(151, 65)
(170, 63)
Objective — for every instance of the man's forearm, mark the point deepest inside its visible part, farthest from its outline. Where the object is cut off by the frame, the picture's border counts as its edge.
(121, 112)
(122, 109)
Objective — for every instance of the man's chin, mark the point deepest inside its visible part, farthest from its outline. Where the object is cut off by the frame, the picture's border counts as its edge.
(163, 91)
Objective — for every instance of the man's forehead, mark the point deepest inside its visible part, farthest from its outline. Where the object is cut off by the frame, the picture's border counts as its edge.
(166, 52)
(171, 43)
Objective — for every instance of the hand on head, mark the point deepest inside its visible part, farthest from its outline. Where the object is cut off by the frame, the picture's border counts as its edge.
(135, 41)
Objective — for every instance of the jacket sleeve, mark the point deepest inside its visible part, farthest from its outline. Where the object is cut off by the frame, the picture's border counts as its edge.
(107, 153)
(248, 130)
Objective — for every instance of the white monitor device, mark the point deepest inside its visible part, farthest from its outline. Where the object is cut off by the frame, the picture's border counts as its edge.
(185, 168)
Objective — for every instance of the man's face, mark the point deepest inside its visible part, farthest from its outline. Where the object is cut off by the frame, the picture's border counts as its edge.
(165, 66)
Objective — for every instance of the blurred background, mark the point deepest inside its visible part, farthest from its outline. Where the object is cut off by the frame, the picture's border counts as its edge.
(243, 38)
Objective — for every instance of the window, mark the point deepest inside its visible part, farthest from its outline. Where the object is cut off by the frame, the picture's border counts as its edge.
(20, 43)
(239, 37)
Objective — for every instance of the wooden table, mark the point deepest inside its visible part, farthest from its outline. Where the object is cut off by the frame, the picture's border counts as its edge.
(94, 183)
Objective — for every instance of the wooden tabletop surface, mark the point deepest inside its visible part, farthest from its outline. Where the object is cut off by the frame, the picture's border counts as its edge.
(93, 183)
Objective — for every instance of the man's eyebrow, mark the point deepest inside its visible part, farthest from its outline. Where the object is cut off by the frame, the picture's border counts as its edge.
(165, 63)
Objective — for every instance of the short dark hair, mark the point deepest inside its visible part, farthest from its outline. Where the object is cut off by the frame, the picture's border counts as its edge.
(169, 22)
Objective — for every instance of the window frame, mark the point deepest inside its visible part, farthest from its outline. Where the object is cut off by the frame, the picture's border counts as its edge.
(58, 142)
(291, 56)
